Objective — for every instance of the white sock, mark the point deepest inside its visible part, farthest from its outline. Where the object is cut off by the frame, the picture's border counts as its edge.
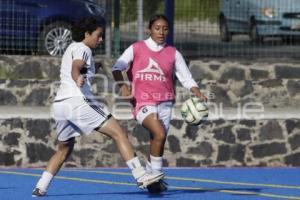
(133, 163)
(136, 168)
(148, 167)
(156, 164)
(44, 181)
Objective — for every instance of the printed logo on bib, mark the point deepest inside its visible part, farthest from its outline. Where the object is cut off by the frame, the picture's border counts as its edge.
(152, 72)
(144, 110)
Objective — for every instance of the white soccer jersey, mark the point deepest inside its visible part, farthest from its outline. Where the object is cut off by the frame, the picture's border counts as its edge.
(68, 87)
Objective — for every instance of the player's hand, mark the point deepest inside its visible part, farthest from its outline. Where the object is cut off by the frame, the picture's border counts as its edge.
(202, 97)
(199, 94)
(125, 90)
(81, 80)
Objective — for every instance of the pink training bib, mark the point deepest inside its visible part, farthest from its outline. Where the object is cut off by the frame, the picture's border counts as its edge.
(151, 74)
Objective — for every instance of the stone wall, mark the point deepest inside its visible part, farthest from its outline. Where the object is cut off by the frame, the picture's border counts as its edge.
(233, 83)
(230, 83)
(27, 136)
(30, 143)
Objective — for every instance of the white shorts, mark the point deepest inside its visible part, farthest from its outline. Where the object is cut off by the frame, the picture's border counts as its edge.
(163, 110)
(77, 115)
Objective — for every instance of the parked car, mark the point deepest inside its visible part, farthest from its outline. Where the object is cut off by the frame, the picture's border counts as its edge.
(259, 18)
(43, 26)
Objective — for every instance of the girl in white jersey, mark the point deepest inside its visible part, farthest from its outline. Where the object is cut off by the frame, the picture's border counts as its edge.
(150, 66)
(76, 111)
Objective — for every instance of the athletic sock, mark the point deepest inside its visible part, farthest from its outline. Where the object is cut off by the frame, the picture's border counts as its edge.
(44, 181)
(136, 168)
(133, 163)
(156, 164)
(148, 167)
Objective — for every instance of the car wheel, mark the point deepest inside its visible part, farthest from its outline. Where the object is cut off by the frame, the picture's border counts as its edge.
(226, 36)
(254, 35)
(55, 38)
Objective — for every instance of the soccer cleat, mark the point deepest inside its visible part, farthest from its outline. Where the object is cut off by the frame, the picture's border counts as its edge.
(148, 179)
(157, 187)
(38, 193)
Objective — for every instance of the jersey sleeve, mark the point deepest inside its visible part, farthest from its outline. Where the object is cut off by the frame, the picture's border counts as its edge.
(183, 73)
(123, 62)
(84, 54)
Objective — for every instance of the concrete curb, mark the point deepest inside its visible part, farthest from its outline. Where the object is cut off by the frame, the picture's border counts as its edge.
(8, 112)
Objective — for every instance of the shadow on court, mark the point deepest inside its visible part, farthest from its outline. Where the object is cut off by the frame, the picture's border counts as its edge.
(7, 188)
(166, 194)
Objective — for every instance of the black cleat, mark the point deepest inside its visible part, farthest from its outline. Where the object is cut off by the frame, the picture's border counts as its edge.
(157, 187)
(38, 193)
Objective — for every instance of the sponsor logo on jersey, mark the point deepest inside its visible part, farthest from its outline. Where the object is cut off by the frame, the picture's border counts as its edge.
(152, 72)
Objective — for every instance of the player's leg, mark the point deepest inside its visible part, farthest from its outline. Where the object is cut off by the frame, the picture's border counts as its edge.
(147, 116)
(112, 129)
(161, 116)
(66, 133)
(157, 141)
(156, 119)
(63, 152)
(89, 115)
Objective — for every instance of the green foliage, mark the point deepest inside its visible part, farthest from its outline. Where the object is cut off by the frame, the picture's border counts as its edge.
(129, 9)
(187, 10)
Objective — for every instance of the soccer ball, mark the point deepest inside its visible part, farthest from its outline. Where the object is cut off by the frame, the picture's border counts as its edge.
(194, 111)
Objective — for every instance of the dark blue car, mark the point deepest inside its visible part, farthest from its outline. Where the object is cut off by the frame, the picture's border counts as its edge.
(42, 26)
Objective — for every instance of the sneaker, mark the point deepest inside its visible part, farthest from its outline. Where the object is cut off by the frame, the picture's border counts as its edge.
(38, 193)
(157, 187)
(148, 179)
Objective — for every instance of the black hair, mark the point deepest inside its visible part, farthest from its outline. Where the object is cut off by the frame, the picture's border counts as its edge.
(157, 17)
(88, 24)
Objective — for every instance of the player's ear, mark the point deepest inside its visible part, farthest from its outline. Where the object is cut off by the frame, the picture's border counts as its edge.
(86, 34)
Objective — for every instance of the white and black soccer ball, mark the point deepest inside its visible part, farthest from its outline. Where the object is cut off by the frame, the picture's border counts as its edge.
(194, 111)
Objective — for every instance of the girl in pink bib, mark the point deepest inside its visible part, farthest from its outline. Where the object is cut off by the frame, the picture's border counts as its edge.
(151, 65)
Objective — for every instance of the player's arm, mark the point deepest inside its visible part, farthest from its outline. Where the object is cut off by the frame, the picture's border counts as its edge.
(121, 65)
(184, 75)
(124, 88)
(78, 66)
(81, 60)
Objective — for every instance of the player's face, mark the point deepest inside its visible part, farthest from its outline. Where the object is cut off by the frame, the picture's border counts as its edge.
(159, 31)
(95, 38)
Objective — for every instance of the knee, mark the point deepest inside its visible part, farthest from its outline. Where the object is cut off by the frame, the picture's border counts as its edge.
(65, 149)
(161, 136)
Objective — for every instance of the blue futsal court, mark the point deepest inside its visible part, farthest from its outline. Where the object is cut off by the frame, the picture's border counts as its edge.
(184, 184)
